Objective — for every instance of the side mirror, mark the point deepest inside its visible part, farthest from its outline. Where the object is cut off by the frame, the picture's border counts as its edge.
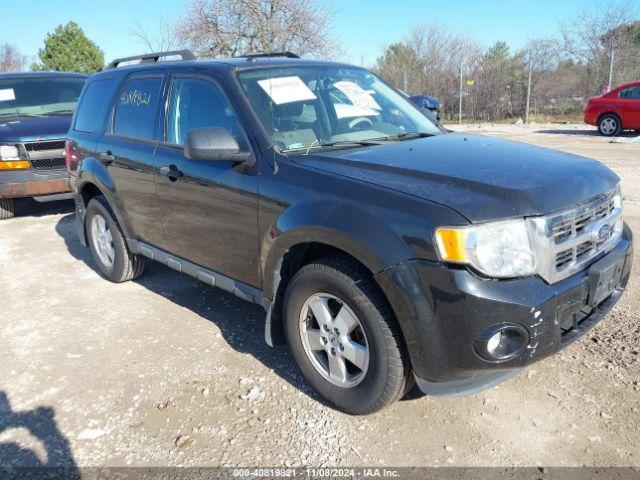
(213, 143)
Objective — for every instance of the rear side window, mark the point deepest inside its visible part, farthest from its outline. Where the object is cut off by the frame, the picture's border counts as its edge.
(136, 109)
(94, 105)
(632, 93)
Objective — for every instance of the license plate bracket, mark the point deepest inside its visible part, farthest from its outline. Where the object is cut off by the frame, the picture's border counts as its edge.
(605, 276)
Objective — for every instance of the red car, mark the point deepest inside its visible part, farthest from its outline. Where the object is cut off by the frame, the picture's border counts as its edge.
(615, 111)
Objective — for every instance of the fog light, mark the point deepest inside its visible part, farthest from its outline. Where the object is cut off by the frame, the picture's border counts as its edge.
(494, 343)
(499, 343)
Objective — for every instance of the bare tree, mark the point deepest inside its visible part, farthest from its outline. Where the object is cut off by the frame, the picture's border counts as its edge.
(234, 27)
(429, 60)
(592, 37)
(11, 60)
(162, 39)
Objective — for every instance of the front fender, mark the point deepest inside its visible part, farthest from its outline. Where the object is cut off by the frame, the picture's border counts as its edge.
(337, 224)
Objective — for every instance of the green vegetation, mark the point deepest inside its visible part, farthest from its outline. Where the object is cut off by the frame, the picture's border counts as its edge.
(68, 49)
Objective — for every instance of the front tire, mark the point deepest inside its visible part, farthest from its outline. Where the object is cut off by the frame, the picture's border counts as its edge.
(610, 125)
(344, 337)
(7, 208)
(108, 246)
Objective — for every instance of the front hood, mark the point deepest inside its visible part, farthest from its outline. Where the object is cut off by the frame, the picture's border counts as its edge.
(482, 178)
(29, 129)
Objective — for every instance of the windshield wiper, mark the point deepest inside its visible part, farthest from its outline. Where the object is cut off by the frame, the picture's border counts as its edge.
(338, 143)
(59, 112)
(407, 136)
(13, 114)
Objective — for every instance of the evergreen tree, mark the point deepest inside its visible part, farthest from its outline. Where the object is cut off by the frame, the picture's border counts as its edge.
(68, 49)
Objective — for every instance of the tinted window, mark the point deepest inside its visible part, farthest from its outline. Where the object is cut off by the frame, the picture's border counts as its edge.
(136, 109)
(197, 103)
(39, 95)
(631, 93)
(94, 105)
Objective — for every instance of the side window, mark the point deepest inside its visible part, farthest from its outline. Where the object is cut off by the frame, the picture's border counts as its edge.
(632, 93)
(94, 105)
(136, 109)
(198, 103)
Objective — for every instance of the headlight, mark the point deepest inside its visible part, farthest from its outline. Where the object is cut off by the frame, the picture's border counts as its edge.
(9, 153)
(501, 249)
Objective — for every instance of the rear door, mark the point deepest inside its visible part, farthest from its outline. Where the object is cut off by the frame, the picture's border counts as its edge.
(209, 208)
(630, 100)
(128, 152)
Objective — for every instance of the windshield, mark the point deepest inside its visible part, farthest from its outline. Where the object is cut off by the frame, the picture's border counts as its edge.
(308, 108)
(39, 95)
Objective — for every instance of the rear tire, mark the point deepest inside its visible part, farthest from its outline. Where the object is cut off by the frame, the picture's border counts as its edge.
(108, 246)
(7, 208)
(610, 125)
(361, 326)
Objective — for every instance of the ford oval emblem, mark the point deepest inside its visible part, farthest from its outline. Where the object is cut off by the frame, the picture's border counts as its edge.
(604, 232)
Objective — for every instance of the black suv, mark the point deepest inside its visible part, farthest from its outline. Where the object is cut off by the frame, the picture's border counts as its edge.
(35, 114)
(383, 249)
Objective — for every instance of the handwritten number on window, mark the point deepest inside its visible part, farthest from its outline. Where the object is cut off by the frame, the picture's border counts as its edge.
(135, 98)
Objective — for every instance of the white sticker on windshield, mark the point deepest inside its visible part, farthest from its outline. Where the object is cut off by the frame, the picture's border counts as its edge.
(7, 94)
(357, 95)
(286, 89)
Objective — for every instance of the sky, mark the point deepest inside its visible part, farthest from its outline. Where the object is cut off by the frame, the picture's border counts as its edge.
(363, 27)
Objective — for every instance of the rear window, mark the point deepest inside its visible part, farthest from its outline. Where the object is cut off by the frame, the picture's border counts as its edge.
(94, 104)
(136, 109)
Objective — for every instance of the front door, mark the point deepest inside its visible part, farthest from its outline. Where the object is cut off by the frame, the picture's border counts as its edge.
(209, 209)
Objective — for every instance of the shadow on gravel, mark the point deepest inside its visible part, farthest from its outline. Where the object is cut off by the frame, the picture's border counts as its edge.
(24, 462)
(241, 323)
(28, 207)
(583, 132)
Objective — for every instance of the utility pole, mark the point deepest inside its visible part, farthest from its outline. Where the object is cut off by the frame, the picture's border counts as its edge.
(460, 104)
(611, 71)
(526, 113)
(404, 80)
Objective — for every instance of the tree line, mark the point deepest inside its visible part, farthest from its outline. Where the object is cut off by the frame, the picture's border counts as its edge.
(564, 70)
(557, 74)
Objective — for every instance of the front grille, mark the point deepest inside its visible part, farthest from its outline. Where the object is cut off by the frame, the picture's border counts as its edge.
(48, 145)
(46, 155)
(579, 219)
(49, 164)
(568, 240)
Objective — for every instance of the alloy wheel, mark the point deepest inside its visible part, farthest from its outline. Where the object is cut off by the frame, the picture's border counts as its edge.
(102, 240)
(334, 340)
(608, 125)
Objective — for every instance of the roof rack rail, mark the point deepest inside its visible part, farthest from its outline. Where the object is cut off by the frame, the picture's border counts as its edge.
(272, 54)
(150, 58)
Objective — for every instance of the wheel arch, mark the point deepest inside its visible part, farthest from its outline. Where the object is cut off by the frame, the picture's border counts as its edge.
(610, 112)
(94, 180)
(291, 260)
(312, 230)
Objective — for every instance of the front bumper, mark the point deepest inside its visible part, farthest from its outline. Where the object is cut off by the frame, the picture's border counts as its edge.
(27, 183)
(443, 311)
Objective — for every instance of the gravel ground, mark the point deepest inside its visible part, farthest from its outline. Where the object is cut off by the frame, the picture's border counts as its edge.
(165, 371)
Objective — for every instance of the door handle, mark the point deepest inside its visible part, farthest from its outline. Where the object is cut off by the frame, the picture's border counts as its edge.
(171, 172)
(106, 158)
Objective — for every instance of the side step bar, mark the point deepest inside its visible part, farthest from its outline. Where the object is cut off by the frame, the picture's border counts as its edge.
(210, 277)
